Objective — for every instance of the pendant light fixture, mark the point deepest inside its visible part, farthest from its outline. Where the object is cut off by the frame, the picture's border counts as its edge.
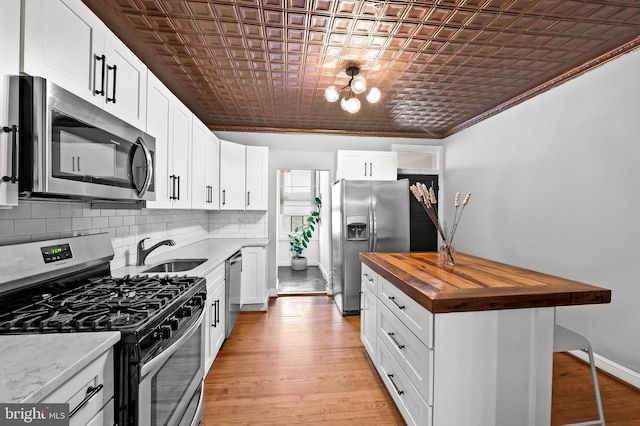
(357, 85)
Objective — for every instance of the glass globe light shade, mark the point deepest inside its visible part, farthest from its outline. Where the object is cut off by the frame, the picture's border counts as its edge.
(331, 94)
(343, 104)
(374, 95)
(358, 85)
(353, 105)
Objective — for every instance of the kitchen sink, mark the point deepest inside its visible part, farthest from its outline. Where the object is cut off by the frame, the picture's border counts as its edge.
(176, 265)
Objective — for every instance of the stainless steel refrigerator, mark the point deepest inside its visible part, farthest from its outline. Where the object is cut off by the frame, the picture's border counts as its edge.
(365, 216)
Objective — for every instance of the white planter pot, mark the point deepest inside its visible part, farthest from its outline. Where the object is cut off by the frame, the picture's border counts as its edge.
(299, 263)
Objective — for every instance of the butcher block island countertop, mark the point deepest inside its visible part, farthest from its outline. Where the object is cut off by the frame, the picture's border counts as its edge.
(476, 284)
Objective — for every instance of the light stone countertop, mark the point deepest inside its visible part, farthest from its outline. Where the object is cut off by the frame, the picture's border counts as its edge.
(34, 365)
(216, 250)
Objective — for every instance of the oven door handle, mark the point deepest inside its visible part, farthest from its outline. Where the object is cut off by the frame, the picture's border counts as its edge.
(166, 354)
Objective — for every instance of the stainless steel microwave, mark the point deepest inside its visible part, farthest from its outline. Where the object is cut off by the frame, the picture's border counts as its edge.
(70, 148)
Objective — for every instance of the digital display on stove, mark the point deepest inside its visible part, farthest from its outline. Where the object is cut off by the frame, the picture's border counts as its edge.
(56, 253)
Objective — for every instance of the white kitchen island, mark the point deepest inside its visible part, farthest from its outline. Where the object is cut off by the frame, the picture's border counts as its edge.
(470, 344)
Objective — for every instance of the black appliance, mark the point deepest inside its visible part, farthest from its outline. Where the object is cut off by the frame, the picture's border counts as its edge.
(65, 286)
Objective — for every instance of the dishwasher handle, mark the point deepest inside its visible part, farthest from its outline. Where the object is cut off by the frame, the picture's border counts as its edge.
(237, 257)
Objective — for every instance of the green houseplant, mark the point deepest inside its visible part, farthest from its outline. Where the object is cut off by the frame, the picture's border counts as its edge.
(299, 238)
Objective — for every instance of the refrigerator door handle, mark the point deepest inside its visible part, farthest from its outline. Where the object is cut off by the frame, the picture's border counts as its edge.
(370, 225)
(375, 225)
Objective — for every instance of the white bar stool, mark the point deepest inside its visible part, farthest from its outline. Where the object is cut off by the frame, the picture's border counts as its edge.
(565, 340)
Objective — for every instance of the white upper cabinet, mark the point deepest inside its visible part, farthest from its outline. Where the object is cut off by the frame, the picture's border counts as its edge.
(232, 176)
(169, 122)
(257, 177)
(67, 44)
(367, 165)
(9, 65)
(206, 163)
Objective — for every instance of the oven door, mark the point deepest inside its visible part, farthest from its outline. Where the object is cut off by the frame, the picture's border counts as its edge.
(171, 385)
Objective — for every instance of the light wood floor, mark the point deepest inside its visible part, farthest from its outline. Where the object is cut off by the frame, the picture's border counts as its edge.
(303, 363)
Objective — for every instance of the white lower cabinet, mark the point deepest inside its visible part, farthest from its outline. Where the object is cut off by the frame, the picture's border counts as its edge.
(90, 391)
(215, 316)
(368, 310)
(398, 333)
(253, 286)
(408, 399)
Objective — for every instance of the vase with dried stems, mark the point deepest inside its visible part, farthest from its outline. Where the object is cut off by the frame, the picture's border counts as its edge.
(427, 198)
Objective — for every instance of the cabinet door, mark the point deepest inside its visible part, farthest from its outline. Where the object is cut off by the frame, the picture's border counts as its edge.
(63, 40)
(367, 165)
(257, 177)
(253, 278)
(212, 170)
(205, 173)
(200, 187)
(368, 317)
(160, 126)
(125, 82)
(218, 322)
(232, 176)
(181, 150)
(9, 66)
(383, 165)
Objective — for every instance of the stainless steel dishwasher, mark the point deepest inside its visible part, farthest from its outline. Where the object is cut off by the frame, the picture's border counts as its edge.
(233, 270)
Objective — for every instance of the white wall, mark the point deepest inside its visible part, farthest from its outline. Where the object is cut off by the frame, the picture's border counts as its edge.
(306, 152)
(555, 189)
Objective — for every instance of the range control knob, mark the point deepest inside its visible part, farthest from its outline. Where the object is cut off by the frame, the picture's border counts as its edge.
(165, 331)
(198, 300)
(186, 311)
(173, 323)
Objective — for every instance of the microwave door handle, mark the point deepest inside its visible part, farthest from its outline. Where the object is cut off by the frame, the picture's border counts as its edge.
(13, 129)
(149, 161)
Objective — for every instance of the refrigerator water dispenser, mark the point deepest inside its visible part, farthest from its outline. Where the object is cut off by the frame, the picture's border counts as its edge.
(357, 228)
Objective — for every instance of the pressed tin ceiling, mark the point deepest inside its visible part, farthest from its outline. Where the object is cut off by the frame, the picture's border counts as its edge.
(263, 65)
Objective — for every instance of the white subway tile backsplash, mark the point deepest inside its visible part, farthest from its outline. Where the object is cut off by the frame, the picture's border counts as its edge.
(99, 222)
(40, 220)
(42, 210)
(29, 226)
(80, 223)
(58, 225)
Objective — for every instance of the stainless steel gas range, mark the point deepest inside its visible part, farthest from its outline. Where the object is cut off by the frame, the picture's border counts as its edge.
(65, 286)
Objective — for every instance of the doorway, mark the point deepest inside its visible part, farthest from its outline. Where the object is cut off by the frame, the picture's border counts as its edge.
(296, 194)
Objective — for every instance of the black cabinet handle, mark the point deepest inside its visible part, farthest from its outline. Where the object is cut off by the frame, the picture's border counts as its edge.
(97, 58)
(215, 314)
(392, 337)
(13, 129)
(393, 300)
(178, 177)
(218, 311)
(91, 391)
(365, 169)
(224, 197)
(78, 161)
(248, 198)
(113, 92)
(173, 187)
(390, 376)
(370, 169)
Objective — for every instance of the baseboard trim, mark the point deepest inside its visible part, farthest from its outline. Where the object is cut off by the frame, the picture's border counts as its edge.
(632, 378)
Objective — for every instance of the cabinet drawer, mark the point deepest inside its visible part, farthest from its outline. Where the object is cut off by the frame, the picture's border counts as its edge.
(415, 317)
(414, 409)
(369, 278)
(409, 352)
(74, 391)
(215, 278)
(105, 417)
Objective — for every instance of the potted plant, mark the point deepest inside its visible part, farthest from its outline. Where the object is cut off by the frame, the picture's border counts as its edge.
(299, 238)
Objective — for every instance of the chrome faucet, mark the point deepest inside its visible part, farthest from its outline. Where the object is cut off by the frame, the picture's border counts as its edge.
(143, 253)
